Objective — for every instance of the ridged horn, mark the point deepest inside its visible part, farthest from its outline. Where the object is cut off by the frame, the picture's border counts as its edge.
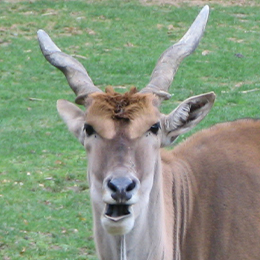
(75, 73)
(167, 65)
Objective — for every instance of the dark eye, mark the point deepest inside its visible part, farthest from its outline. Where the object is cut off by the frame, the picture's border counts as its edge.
(89, 129)
(155, 128)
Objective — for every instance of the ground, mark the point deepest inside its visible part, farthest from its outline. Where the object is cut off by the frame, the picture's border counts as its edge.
(204, 2)
(179, 2)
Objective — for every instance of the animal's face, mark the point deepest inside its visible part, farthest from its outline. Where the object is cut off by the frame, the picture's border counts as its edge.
(122, 139)
(122, 134)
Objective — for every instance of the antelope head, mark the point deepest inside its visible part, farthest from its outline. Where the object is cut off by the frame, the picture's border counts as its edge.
(123, 133)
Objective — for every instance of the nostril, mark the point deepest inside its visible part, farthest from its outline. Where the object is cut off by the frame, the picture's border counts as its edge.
(131, 186)
(112, 186)
(121, 188)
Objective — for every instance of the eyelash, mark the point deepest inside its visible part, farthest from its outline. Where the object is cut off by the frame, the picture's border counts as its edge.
(90, 130)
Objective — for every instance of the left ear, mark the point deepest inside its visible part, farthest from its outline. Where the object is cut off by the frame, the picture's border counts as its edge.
(73, 117)
(186, 116)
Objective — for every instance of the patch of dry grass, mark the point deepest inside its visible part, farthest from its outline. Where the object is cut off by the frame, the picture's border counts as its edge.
(202, 2)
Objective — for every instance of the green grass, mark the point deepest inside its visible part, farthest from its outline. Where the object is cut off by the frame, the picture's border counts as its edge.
(44, 201)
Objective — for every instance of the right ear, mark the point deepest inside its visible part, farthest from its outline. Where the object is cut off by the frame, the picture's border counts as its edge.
(73, 118)
(186, 116)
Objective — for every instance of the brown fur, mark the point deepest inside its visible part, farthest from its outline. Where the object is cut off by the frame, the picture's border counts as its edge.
(215, 179)
(121, 106)
(106, 110)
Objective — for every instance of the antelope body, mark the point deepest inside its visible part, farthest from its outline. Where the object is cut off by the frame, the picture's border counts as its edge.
(199, 201)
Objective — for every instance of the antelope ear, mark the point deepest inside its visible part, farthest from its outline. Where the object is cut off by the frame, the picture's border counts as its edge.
(186, 116)
(73, 117)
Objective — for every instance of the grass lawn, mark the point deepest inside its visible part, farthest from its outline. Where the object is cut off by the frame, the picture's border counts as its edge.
(44, 201)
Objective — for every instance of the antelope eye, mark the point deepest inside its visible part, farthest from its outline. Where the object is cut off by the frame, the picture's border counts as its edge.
(155, 128)
(88, 129)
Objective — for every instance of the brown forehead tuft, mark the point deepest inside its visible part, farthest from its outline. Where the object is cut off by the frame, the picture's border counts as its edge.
(136, 112)
(125, 106)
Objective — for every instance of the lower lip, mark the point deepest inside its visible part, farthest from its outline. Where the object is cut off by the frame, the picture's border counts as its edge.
(117, 219)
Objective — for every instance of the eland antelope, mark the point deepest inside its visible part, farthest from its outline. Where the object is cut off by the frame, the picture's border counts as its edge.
(200, 201)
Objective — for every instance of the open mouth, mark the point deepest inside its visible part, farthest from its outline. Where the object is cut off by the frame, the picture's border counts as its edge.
(117, 212)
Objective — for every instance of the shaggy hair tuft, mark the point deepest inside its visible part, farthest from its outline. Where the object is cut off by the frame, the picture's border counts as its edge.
(120, 106)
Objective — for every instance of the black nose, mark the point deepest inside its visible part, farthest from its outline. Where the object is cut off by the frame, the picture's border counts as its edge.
(122, 188)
